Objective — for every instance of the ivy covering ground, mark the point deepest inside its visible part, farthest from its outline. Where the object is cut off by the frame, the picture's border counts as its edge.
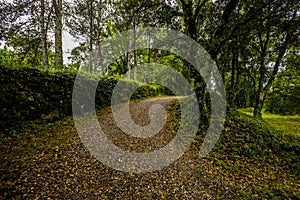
(257, 160)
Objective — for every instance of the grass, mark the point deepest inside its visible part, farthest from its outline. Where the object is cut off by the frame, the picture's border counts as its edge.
(289, 124)
(256, 159)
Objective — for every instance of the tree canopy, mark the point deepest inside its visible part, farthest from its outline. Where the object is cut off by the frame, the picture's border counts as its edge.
(255, 44)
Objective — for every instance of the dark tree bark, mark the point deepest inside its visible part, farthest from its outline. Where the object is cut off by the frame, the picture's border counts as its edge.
(91, 18)
(265, 84)
(263, 44)
(44, 35)
(98, 34)
(58, 34)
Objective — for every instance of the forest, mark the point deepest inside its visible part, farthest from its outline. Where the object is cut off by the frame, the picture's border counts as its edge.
(254, 45)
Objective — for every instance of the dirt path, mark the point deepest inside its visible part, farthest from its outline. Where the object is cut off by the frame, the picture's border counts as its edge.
(72, 173)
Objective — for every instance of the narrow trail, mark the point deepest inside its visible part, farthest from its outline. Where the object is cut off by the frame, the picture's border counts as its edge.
(72, 173)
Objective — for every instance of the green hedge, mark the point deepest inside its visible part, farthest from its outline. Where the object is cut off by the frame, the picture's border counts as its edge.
(29, 94)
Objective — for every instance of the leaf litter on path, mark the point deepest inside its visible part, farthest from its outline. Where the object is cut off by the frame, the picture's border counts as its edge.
(68, 171)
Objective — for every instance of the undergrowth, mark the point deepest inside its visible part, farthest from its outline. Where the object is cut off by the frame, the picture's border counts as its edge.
(253, 158)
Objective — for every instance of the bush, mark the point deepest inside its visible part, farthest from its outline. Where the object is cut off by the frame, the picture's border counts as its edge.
(29, 94)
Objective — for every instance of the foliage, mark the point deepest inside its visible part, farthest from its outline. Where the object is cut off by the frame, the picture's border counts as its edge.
(22, 56)
(26, 26)
(29, 94)
(284, 96)
(249, 41)
(8, 58)
(252, 159)
(77, 56)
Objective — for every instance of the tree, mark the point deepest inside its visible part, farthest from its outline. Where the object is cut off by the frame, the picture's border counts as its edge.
(280, 31)
(44, 35)
(57, 4)
(28, 28)
(86, 22)
(283, 98)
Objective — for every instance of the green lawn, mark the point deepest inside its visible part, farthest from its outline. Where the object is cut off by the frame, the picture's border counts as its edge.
(286, 123)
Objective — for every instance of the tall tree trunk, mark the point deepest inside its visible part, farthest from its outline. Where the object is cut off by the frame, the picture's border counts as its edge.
(134, 51)
(91, 35)
(98, 35)
(149, 56)
(189, 17)
(58, 34)
(263, 90)
(283, 46)
(44, 35)
(129, 55)
(129, 62)
(235, 76)
(259, 99)
(232, 82)
(262, 72)
(154, 60)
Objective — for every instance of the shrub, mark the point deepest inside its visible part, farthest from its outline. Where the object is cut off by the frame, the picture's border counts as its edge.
(29, 94)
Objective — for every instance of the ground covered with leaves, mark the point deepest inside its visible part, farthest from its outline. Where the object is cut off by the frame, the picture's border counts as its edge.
(252, 160)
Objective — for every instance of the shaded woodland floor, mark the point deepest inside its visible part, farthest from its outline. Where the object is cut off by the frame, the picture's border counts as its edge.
(252, 160)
